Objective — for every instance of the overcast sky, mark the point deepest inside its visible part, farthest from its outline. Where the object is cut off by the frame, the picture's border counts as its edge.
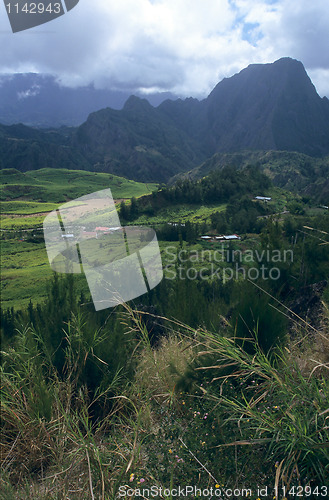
(182, 46)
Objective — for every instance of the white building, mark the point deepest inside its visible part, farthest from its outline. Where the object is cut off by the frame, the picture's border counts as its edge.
(263, 198)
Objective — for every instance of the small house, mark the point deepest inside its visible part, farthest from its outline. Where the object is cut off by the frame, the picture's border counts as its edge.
(265, 199)
(231, 237)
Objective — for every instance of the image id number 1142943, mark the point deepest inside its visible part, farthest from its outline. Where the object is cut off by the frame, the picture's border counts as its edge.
(33, 8)
(302, 491)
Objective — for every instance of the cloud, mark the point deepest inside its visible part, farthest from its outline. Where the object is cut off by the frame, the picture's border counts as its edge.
(296, 29)
(183, 46)
(321, 77)
(32, 92)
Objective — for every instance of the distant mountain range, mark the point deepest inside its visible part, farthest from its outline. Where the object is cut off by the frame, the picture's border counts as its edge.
(38, 100)
(267, 107)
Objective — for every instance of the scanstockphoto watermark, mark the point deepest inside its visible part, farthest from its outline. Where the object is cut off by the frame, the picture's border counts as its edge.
(221, 492)
(183, 492)
(224, 264)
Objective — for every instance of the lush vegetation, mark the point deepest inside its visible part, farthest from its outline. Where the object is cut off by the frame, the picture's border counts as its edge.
(216, 378)
(207, 198)
(95, 403)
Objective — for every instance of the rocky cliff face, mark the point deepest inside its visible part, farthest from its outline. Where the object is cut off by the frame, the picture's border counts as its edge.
(264, 107)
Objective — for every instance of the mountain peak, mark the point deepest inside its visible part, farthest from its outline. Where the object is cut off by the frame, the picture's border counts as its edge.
(283, 62)
(136, 103)
(268, 106)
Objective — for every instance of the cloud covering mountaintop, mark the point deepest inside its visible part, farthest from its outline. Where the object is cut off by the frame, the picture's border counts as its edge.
(181, 46)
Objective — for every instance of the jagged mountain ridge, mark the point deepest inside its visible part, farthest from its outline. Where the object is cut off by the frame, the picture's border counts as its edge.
(138, 142)
(264, 107)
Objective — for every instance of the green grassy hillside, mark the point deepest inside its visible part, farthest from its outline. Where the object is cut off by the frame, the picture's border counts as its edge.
(26, 198)
(59, 185)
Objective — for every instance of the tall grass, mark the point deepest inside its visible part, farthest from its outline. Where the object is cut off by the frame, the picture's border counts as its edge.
(50, 445)
(274, 406)
(242, 421)
(258, 402)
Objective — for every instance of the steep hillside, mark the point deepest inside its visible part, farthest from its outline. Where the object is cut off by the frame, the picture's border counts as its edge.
(289, 170)
(25, 148)
(264, 107)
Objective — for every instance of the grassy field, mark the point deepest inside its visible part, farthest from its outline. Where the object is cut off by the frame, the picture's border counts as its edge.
(26, 207)
(27, 197)
(59, 185)
(25, 273)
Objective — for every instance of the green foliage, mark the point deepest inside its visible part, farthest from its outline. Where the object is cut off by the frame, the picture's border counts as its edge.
(48, 422)
(73, 337)
(242, 418)
(296, 208)
(276, 406)
(243, 216)
(169, 213)
(124, 211)
(134, 208)
(219, 186)
(289, 170)
(129, 212)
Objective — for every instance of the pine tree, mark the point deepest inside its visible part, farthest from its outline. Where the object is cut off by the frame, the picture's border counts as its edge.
(134, 208)
(124, 212)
